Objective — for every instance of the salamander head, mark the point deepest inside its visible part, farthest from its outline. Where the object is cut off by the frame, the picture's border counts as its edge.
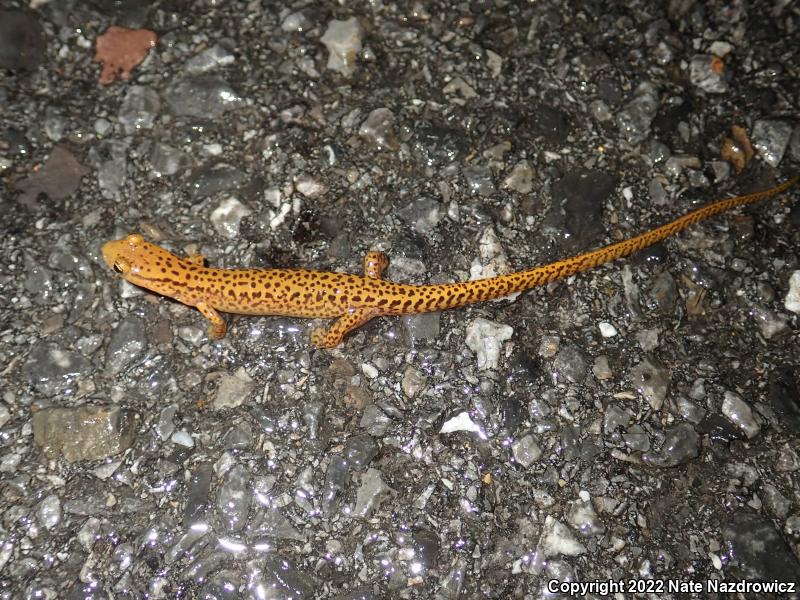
(140, 262)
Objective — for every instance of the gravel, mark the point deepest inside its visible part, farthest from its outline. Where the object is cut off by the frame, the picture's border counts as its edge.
(639, 421)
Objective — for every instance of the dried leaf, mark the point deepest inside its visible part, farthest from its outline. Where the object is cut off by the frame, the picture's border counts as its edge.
(120, 50)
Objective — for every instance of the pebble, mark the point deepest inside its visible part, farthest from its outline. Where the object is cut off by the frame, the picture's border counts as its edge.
(526, 451)
(422, 213)
(421, 328)
(139, 109)
(202, 96)
(182, 438)
(492, 259)
(738, 412)
(607, 330)
(558, 540)
(478, 180)
(234, 498)
(87, 432)
(570, 365)
(358, 453)
(166, 160)
(485, 338)
(616, 417)
(49, 512)
(374, 421)
(651, 380)
(310, 187)
(637, 115)
(770, 323)
(343, 41)
(233, 389)
(165, 425)
(296, 22)
(59, 177)
(681, 444)
(51, 369)
(520, 179)
(227, 217)
(439, 146)
(689, 410)
(776, 503)
(210, 179)
(601, 369)
(121, 50)
(413, 382)
(792, 300)
(209, 59)
(197, 495)
(648, 339)
(371, 493)
(127, 344)
(770, 139)
(787, 460)
(663, 293)
(110, 158)
(461, 422)
(708, 73)
(760, 552)
(582, 517)
(378, 129)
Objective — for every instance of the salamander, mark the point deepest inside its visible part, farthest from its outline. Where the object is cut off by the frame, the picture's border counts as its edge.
(355, 299)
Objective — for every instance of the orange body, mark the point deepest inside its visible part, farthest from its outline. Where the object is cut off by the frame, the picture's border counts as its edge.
(354, 299)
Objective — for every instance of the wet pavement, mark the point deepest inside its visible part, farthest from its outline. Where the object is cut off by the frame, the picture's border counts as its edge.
(635, 424)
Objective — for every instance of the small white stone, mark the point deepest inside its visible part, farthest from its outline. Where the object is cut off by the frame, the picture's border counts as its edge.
(182, 438)
(461, 422)
(792, 302)
(607, 330)
(343, 41)
(720, 48)
(227, 216)
(485, 338)
(738, 412)
(233, 389)
(310, 187)
(558, 540)
(369, 370)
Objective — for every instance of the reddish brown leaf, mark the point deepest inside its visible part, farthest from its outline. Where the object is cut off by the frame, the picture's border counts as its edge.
(120, 50)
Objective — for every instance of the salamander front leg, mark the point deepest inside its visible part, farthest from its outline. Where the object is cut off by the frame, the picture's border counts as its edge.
(197, 259)
(332, 336)
(375, 264)
(217, 328)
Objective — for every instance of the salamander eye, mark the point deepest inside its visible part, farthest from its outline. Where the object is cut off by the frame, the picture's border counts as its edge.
(121, 266)
(134, 239)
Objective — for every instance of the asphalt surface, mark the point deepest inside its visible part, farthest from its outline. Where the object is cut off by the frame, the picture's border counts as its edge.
(633, 428)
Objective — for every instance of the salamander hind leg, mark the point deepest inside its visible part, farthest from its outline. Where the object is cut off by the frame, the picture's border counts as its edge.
(217, 328)
(197, 259)
(375, 264)
(332, 336)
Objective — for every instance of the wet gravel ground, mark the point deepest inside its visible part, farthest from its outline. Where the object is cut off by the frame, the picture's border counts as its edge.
(637, 424)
